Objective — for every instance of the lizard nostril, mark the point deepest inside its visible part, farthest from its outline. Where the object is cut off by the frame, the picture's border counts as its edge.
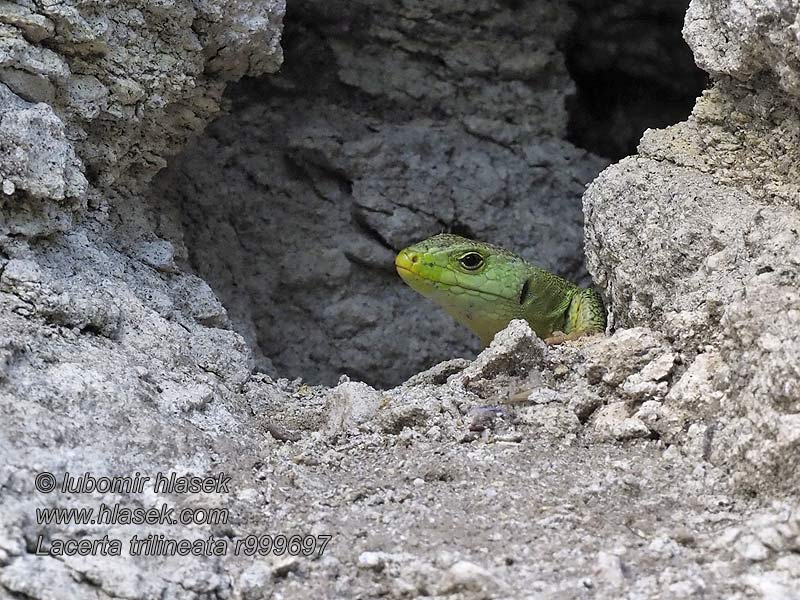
(414, 258)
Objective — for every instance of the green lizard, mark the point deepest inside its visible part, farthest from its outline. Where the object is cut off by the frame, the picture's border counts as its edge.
(484, 287)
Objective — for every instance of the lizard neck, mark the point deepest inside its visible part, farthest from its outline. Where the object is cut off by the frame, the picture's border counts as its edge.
(547, 303)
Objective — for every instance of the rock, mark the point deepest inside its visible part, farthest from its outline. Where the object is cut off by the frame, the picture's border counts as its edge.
(740, 39)
(513, 353)
(551, 419)
(38, 158)
(453, 137)
(545, 395)
(195, 298)
(484, 418)
(659, 368)
(710, 237)
(24, 576)
(609, 569)
(374, 561)
(626, 352)
(94, 311)
(466, 576)
(10, 352)
(651, 413)
(399, 418)
(695, 396)
(159, 254)
(753, 550)
(351, 404)
(170, 68)
(35, 27)
(21, 277)
(286, 565)
(438, 374)
(584, 398)
(91, 105)
(790, 564)
(772, 586)
(614, 422)
(255, 581)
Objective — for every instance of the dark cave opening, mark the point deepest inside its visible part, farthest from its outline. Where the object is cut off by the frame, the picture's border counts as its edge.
(632, 71)
(295, 202)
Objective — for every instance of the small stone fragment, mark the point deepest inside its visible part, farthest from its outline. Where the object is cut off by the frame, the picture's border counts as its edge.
(467, 576)
(626, 352)
(351, 404)
(552, 419)
(609, 569)
(484, 417)
(438, 374)
(613, 422)
(285, 566)
(254, 582)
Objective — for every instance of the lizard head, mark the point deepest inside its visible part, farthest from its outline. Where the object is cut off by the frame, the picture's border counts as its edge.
(479, 284)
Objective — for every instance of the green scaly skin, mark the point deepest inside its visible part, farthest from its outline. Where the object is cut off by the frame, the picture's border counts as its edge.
(484, 287)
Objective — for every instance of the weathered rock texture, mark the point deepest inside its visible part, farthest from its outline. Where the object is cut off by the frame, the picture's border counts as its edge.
(388, 123)
(697, 236)
(110, 361)
(558, 472)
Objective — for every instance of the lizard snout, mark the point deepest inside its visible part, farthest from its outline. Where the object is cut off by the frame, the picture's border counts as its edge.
(406, 261)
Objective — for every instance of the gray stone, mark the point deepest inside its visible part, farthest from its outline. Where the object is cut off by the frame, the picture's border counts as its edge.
(698, 235)
(615, 422)
(626, 352)
(35, 27)
(351, 404)
(609, 569)
(438, 374)
(551, 419)
(514, 352)
(424, 118)
(38, 158)
(466, 576)
(397, 120)
(255, 581)
(741, 39)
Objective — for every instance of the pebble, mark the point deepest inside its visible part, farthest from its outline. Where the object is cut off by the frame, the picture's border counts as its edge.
(609, 569)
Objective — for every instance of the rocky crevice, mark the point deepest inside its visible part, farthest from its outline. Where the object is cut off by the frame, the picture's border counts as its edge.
(657, 461)
(465, 133)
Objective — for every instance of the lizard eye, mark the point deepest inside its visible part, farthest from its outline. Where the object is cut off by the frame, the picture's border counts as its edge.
(471, 261)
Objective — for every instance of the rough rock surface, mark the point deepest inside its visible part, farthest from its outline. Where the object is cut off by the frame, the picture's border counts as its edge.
(110, 358)
(697, 236)
(612, 467)
(743, 40)
(295, 204)
(391, 476)
(134, 80)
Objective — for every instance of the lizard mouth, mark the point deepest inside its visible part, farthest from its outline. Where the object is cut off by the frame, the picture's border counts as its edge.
(405, 262)
(427, 285)
(410, 276)
(409, 267)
